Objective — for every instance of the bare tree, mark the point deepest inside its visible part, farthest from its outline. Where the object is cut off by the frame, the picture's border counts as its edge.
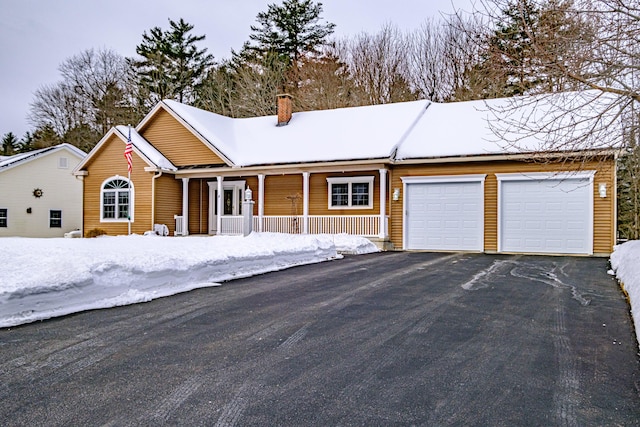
(326, 81)
(379, 65)
(256, 86)
(442, 53)
(92, 96)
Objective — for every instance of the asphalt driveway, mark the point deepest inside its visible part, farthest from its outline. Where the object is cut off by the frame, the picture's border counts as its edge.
(393, 338)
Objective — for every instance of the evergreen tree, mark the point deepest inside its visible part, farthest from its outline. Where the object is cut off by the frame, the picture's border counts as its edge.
(628, 176)
(9, 144)
(290, 31)
(26, 143)
(172, 65)
(45, 136)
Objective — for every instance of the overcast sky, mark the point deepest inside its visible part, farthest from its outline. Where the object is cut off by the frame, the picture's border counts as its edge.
(36, 36)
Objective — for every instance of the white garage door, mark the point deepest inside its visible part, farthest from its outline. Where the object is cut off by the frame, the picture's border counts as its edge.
(546, 215)
(444, 215)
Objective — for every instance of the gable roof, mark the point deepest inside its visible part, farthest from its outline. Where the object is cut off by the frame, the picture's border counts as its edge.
(356, 133)
(389, 132)
(9, 162)
(147, 152)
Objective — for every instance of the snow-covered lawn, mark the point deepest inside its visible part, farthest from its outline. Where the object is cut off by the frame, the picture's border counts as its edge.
(625, 263)
(44, 278)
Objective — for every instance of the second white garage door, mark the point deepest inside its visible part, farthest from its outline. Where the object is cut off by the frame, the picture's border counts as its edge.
(444, 213)
(546, 213)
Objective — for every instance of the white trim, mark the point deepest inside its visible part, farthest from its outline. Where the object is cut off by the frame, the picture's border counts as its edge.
(260, 200)
(441, 179)
(132, 199)
(383, 203)
(216, 204)
(550, 176)
(522, 176)
(350, 180)
(305, 202)
(185, 206)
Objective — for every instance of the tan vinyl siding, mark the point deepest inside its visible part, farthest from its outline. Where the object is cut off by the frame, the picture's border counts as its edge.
(604, 211)
(177, 143)
(108, 163)
(278, 189)
(603, 207)
(168, 201)
(198, 206)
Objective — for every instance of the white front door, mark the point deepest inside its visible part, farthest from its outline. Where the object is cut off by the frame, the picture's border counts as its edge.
(232, 196)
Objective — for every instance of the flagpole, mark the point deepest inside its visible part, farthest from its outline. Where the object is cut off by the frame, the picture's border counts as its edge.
(129, 187)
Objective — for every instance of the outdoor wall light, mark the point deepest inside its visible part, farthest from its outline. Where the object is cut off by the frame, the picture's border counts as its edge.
(396, 194)
(248, 195)
(602, 189)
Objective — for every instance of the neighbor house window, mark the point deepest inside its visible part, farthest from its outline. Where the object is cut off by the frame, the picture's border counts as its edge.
(351, 192)
(55, 219)
(116, 200)
(3, 218)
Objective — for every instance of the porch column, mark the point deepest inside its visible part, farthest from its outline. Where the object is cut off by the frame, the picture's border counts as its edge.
(185, 206)
(383, 203)
(305, 202)
(219, 204)
(260, 201)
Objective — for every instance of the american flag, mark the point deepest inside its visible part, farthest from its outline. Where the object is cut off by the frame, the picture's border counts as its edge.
(128, 150)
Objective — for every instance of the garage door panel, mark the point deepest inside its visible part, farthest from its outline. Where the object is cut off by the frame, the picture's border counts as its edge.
(452, 213)
(547, 216)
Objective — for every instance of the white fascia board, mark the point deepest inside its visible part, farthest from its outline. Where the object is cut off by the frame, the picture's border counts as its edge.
(443, 178)
(524, 176)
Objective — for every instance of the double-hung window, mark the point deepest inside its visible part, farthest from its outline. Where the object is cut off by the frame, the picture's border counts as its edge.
(351, 192)
(3, 217)
(116, 200)
(55, 219)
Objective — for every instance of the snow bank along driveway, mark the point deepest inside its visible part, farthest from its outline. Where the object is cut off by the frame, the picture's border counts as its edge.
(44, 278)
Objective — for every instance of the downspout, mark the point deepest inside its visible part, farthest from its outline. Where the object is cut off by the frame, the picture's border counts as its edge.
(81, 178)
(153, 197)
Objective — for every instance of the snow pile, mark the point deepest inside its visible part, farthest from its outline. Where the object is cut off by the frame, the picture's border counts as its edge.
(44, 278)
(625, 262)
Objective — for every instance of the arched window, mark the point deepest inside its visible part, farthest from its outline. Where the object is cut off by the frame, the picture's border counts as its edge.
(116, 200)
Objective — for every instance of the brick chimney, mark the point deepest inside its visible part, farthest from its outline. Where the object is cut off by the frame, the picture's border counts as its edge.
(285, 109)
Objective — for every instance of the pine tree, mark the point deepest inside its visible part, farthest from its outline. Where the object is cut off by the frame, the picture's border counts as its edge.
(9, 144)
(172, 65)
(26, 143)
(290, 31)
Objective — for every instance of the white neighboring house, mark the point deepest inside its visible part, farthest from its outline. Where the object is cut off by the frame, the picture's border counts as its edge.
(39, 196)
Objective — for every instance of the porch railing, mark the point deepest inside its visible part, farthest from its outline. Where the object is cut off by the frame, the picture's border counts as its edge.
(359, 225)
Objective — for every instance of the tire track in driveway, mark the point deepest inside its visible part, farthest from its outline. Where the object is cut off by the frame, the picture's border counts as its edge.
(566, 397)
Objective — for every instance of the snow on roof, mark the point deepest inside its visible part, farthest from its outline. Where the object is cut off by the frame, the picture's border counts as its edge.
(370, 132)
(558, 122)
(10, 161)
(413, 130)
(144, 148)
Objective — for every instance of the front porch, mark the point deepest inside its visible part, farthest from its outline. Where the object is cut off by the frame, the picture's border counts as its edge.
(322, 202)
